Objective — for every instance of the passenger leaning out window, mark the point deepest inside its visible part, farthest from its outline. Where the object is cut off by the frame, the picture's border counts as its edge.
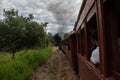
(95, 53)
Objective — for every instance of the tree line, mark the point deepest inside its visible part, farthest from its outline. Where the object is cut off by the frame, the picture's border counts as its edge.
(18, 32)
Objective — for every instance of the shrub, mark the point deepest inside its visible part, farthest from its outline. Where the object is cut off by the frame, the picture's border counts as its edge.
(21, 67)
(14, 70)
(38, 57)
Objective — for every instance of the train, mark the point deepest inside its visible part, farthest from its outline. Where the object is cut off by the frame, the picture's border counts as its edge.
(104, 17)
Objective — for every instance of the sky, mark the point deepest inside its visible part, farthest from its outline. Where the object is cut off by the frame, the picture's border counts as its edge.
(60, 14)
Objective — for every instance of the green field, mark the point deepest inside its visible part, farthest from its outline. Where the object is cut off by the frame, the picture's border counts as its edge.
(24, 63)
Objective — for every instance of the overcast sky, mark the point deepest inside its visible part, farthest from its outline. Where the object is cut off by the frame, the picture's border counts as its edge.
(61, 14)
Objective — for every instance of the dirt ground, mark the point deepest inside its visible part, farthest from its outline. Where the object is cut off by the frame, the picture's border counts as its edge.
(57, 68)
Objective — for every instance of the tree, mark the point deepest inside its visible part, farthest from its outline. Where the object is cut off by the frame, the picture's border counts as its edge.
(44, 26)
(13, 33)
(34, 35)
(18, 32)
(57, 39)
(49, 39)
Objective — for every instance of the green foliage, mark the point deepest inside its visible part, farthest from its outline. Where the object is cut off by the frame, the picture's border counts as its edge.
(57, 39)
(18, 32)
(14, 70)
(46, 53)
(4, 57)
(37, 57)
(21, 67)
(34, 35)
(49, 39)
(34, 58)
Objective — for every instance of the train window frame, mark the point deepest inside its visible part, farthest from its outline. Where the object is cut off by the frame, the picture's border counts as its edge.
(78, 41)
(90, 26)
(82, 41)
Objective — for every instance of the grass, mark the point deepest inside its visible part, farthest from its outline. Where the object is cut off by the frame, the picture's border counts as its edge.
(4, 57)
(14, 70)
(22, 66)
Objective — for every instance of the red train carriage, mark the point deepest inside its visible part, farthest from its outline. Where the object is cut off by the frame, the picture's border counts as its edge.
(104, 17)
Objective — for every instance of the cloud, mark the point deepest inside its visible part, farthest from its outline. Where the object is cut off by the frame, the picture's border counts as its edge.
(65, 12)
(61, 14)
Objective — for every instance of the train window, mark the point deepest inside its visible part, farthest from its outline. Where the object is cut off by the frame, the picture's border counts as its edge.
(93, 48)
(82, 42)
(78, 42)
(66, 44)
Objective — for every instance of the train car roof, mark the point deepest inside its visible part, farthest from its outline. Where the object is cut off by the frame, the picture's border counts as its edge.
(72, 33)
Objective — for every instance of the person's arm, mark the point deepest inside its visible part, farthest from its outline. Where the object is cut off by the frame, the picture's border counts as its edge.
(95, 56)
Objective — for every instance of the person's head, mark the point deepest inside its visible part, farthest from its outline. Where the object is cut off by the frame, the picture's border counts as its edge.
(94, 36)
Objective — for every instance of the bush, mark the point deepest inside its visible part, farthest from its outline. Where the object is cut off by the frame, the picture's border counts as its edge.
(14, 70)
(21, 67)
(34, 58)
(38, 57)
